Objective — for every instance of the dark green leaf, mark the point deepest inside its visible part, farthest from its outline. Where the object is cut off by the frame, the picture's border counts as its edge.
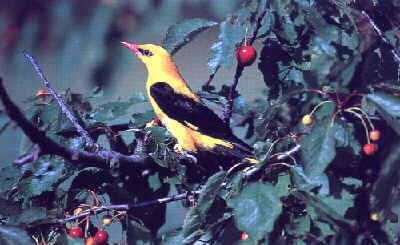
(137, 98)
(140, 119)
(12, 235)
(388, 107)
(192, 226)
(160, 134)
(385, 188)
(344, 135)
(209, 192)
(232, 33)
(303, 182)
(318, 148)
(8, 178)
(180, 34)
(255, 209)
(154, 182)
(32, 216)
(299, 226)
(327, 212)
(111, 111)
(282, 186)
(4, 121)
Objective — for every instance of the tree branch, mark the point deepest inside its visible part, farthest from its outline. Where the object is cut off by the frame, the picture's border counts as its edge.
(379, 32)
(101, 158)
(127, 207)
(89, 141)
(239, 70)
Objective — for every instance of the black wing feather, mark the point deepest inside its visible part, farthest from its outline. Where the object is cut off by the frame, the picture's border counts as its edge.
(185, 110)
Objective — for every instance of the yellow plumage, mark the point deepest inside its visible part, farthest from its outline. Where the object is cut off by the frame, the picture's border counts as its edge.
(175, 104)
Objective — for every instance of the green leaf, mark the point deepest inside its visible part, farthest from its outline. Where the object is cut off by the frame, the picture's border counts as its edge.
(345, 136)
(209, 192)
(111, 111)
(318, 148)
(65, 186)
(192, 226)
(8, 178)
(160, 134)
(180, 34)
(388, 107)
(31, 217)
(137, 98)
(12, 235)
(255, 209)
(232, 33)
(140, 119)
(282, 186)
(299, 226)
(325, 211)
(154, 182)
(4, 121)
(303, 182)
(385, 191)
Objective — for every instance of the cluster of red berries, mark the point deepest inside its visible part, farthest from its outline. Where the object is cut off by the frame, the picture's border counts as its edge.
(369, 148)
(100, 237)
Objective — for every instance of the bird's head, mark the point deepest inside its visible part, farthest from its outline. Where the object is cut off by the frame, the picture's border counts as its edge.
(150, 54)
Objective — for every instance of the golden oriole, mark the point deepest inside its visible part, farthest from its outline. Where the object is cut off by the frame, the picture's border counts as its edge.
(197, 129)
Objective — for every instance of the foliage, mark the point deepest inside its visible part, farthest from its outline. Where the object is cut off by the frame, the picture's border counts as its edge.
(313, 185)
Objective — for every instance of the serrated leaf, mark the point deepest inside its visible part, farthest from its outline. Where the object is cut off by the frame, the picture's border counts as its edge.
(388, 107)
(209, 192)
(318, 148)
(12, 235)
(180, 34)
(192, 226)
(232, 33)
(255, 209)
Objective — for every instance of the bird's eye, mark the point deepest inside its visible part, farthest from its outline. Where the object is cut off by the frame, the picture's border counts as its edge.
(147, 52)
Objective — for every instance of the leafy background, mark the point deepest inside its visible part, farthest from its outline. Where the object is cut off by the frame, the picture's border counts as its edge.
(329, 192)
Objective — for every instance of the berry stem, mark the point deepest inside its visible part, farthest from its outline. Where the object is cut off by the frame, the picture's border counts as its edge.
(365, 114)
(317, 106)
(350, 110)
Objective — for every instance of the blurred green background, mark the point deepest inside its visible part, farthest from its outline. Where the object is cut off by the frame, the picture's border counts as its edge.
(76, 43)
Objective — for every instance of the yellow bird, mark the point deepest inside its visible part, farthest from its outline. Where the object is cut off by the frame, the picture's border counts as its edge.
(197, 129)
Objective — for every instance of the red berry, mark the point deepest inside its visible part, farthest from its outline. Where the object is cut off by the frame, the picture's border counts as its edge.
(369, 149)
(76, 232)
(101, 236)
(374, 135)
(40, 92)
(246, 55)
(244, 236)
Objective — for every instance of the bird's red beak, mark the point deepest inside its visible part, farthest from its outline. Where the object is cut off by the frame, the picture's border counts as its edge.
(131, 46)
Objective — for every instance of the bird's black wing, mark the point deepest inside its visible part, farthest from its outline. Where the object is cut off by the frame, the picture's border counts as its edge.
(187, 111)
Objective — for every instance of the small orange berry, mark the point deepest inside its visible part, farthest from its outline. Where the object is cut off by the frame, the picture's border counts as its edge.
(307, 119)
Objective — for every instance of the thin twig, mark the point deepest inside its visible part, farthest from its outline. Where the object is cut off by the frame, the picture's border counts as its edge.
(229, 104)
(377, 30)
(64, 109)
(101, 158)
(239, 70)
(127, 207)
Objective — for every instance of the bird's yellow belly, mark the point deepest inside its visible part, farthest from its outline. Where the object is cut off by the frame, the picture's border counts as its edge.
(191, 140)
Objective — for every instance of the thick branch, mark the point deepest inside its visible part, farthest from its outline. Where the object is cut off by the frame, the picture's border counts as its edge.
(101, 158)
(64, 109)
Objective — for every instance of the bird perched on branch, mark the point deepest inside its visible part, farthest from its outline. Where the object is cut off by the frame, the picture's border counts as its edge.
(197, 129)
